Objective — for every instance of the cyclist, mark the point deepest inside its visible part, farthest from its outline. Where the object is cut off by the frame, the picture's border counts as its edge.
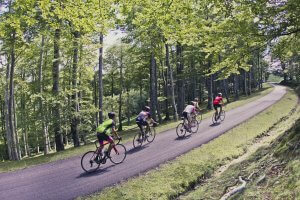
(144, 118)
(188, 112)
(104, 132)
(218, 102)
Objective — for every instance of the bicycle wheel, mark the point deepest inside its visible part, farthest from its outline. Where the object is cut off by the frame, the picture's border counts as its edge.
(194, 126)
(180, 130)
(118, 154)
(222, 115)
(137, 140)
(150, 135)
(88, 162)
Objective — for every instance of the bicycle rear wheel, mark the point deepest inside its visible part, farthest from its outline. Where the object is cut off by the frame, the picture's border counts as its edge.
(137, 140)
(88, 162)
(118, 154)
(180, 130)
(194, 126)
(151, 134)
(222, 115)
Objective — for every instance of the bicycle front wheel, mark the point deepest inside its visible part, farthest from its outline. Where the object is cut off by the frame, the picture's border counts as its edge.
(194, 126)
(118, 154)
(151, 134)
(180, 130)
(88, 162)
(137, 140)
(222, 115)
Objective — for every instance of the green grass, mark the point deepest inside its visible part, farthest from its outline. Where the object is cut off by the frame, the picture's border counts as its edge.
(260, 162)
(275, 79)
(178, 176)
(282, 182)
(127, 135)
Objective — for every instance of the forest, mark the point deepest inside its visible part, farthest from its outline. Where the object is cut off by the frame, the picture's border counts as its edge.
(59, 77)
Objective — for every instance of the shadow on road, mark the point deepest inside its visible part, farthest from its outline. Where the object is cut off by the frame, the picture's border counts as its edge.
(134, 150)
(184, 137)
(215, 124)
(98, 172)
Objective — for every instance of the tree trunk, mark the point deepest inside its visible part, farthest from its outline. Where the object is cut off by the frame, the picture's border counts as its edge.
(166, 92)
(75, 120)
(236, 87)
(170, 70)
(245, 83)
(250, 81)
(96, 99)
(15, 125)
(153, 87)
(121, 91)
(42, 117)
(193, 88)
(156, 90)
(10, 115)
(180, 81)
(128, 107)
(100, 74)
(56, 108)
(209, 83)
(225, 86)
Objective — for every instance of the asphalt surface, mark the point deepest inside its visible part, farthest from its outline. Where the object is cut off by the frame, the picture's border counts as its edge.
(65, 179)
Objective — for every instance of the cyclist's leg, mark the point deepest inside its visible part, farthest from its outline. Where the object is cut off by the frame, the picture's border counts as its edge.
(111, 144)
(140, 125)
(219, 105)
(216, 113)
(185, 119)
(101, 139)
(189, 118)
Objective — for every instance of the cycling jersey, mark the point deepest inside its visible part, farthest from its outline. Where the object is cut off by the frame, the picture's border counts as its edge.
(105, 127)
(190, 109)
(143, 116)
(217, 100)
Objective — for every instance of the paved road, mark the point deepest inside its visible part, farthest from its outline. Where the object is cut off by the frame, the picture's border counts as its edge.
(65, 179)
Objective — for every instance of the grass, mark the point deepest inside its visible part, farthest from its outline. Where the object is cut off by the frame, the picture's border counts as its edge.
(127, 136)
(180, 175)
(276, 160)
(275, 78)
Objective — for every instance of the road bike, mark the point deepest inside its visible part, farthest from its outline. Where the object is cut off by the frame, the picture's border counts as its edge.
(92, 160)
(219, 118)
(183, 127)
(148, 135)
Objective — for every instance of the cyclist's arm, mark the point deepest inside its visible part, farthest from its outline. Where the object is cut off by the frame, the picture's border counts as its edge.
(114, 132)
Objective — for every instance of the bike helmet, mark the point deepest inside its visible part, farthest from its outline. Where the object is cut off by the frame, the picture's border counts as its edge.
(147, 109)
(220, 94)
(111, 115)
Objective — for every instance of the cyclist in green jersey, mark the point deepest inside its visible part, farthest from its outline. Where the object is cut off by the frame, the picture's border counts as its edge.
(104, 132)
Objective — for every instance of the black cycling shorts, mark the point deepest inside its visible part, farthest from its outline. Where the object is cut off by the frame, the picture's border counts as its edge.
(103, 137)
(216, 106)
(185, 115)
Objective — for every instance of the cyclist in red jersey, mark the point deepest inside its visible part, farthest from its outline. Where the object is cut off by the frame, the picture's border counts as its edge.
(218, 102)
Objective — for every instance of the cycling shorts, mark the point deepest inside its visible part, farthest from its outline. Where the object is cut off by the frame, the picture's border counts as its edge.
(104, 137)
(216, 106)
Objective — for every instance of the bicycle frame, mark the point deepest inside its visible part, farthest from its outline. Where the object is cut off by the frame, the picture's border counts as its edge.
(105, 143)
